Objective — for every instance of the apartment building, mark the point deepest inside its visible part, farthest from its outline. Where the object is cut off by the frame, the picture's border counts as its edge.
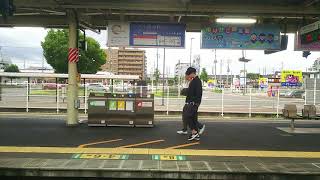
(126, 62)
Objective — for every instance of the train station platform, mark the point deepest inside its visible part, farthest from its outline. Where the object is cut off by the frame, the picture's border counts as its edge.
(39, 147)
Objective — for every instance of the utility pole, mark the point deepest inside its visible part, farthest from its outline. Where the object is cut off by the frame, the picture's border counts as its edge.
(215, 64)
(220, 73)
(157, 59)
(163, 73)
(42, 63)
(228, 71)
(190, 51)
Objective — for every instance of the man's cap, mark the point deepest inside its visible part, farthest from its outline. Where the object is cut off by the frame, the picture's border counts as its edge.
(190, 70)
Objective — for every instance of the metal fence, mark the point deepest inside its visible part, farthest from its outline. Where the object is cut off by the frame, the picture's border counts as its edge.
(168, 98)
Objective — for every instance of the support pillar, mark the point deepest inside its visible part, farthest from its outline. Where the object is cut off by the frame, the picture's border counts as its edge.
(72, 94)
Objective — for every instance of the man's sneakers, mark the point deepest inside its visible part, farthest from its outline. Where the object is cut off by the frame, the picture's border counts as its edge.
(195, 136)
(202, 129)
(186, 132)
(182, 132)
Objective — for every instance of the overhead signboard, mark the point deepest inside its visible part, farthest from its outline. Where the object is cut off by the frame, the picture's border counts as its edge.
(256, 37)
(118, 34)
(291, 78)
(308, 38)
(157, 35)
(142, 34)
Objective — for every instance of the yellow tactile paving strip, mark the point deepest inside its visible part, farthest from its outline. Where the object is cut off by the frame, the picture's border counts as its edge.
(145, 151)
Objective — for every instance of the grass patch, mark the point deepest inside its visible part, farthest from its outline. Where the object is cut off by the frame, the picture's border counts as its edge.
(52, 92)
(171, 95)
(217, 90)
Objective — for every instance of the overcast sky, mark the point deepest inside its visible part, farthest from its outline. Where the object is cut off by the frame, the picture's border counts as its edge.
(22, 46)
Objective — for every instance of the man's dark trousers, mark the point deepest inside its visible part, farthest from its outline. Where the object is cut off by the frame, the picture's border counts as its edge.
(190, 117)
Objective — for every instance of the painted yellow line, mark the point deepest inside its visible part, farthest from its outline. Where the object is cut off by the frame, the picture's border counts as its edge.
(183, 145)
(140, 144)
(146, 151)
(100, 142)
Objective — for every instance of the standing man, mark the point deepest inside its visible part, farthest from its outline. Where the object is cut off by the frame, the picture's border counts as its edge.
(190, 109)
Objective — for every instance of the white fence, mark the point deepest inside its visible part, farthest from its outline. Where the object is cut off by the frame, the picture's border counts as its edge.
(223, 101)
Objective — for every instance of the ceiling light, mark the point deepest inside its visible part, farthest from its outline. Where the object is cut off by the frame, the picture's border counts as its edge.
(236, 20)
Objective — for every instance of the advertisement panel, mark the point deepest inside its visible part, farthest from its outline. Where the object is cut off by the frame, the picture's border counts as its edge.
(308, 38)
(263, 82)
(291, 78)
(221, 36)
(236, 82)
(157, 35)
(118, 34)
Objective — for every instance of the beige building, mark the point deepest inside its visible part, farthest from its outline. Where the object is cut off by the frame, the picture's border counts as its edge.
(126, 62)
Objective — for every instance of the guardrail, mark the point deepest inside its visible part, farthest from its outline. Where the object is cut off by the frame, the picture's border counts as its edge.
(214, 100)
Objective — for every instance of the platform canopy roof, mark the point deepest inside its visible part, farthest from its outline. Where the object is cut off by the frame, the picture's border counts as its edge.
(95, 14)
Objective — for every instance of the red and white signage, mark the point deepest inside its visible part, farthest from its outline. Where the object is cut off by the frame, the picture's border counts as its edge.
(73, 55)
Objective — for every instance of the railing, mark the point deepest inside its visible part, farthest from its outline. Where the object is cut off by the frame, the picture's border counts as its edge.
(27, 96)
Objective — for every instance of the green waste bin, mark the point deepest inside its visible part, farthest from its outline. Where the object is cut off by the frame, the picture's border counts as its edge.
(97, 109)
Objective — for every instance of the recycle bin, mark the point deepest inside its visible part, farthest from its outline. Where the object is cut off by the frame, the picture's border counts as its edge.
(97, 103)
(120, 110)
(144, 111)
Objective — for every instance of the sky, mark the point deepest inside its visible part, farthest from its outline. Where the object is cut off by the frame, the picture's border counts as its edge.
(23, 46)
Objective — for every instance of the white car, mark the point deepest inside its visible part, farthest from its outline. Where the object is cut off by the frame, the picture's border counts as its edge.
(97, 87)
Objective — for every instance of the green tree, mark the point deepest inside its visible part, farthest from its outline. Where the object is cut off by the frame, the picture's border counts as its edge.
(204, 75)
(156, 76)
(11, 68)
(176, 80)
(253, 76)
(55, 50)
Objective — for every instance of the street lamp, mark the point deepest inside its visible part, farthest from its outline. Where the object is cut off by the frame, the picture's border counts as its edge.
(191, 50)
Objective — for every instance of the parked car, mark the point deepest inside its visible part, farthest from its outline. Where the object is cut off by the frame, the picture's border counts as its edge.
(97, 87)
(52, 86)
(283, 93)
(295, 94)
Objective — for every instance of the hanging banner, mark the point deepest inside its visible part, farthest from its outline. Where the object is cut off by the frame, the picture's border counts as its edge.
(291, 78)
(255, 37)
(157, 35)
(308, 38)
(118, 34)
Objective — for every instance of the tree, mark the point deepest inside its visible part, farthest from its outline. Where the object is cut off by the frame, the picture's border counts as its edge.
(55, 50)
(176, 80)
(11, 68)
(253, 76)
(204, 75)
(156, 76)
